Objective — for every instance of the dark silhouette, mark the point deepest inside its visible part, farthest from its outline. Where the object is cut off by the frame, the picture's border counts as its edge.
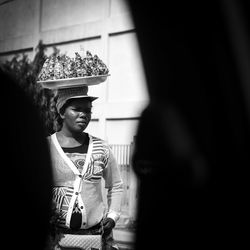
(192, 145)
(26, 171)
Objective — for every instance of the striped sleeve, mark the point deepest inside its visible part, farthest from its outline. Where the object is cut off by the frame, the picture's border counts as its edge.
(114, 184)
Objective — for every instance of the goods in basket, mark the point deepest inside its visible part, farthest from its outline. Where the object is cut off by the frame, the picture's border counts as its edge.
(64, 67)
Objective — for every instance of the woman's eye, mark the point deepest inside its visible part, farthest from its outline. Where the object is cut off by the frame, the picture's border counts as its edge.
(76, 109)
(87, 113)
(83, 111)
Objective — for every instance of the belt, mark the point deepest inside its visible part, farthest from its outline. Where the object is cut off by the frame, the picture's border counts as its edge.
(95, 230)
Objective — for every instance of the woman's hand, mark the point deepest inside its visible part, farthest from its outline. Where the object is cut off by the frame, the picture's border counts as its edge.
(108, 225)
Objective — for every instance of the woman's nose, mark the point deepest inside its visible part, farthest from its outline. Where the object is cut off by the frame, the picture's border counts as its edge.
(84, 114)
(81, 113)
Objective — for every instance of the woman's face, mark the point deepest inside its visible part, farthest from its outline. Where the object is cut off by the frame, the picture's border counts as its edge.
(76, 115)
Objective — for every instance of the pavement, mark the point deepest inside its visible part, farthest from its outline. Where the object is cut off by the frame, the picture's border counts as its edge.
(125, 238)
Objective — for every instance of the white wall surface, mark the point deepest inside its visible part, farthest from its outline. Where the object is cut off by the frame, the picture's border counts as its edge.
(121, 131)
(65, 13)
(17, 19)
(127, 82)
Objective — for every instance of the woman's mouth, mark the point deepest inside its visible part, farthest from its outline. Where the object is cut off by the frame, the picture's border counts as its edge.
(81, 122)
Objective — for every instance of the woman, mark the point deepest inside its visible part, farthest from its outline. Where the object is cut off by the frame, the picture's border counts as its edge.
(79, 162)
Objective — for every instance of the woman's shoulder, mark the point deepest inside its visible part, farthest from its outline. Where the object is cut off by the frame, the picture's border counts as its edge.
(98, 141)
(49, 137)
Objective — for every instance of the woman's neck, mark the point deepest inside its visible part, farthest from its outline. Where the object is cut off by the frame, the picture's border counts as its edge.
(69, 139)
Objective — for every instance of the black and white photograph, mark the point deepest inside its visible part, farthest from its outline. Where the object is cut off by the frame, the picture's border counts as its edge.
(125, 123)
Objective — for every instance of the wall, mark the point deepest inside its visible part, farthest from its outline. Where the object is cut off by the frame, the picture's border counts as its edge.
(105, 28)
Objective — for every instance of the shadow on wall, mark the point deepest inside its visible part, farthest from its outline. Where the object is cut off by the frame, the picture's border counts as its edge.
(191, 152)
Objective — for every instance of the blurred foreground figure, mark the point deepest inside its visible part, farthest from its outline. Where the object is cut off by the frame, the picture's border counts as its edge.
(192, 146)
(26, 171)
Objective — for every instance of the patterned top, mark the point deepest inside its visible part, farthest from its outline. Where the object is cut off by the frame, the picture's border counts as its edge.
(78, 186)
(78, 156)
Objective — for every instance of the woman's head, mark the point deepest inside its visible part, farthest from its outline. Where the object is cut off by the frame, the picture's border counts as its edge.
(69, 102)
(76, 114)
